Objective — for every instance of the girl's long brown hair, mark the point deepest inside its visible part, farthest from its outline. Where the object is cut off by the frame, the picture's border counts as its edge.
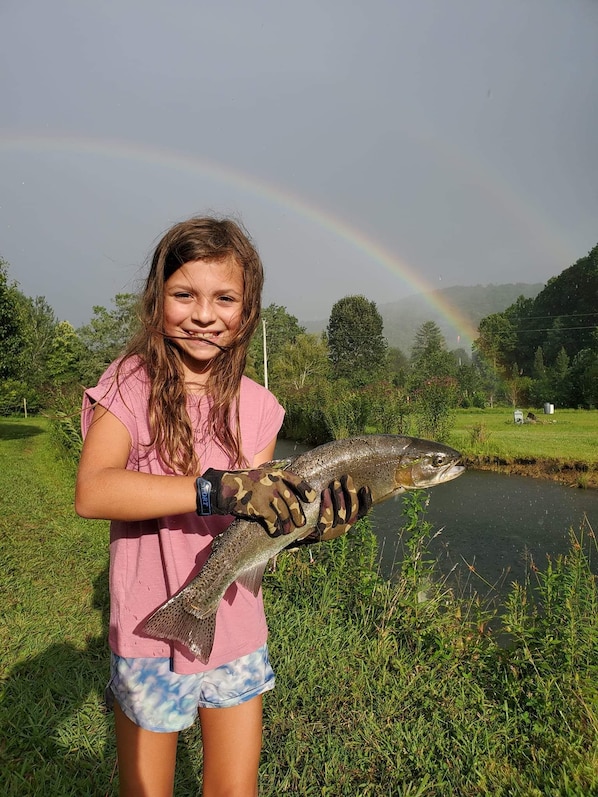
(172, 432)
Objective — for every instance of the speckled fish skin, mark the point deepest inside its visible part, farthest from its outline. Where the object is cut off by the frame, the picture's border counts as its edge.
(387, 464)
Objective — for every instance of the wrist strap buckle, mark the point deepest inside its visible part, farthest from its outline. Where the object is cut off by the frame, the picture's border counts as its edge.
(203, 490)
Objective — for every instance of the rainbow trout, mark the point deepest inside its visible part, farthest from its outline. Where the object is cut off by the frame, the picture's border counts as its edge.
(387, 464)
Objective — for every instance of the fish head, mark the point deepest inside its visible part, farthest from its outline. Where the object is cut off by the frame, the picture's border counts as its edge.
(426, 463)
(390, 464)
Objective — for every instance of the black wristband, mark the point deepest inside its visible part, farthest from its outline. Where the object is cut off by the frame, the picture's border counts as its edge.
(203, 490)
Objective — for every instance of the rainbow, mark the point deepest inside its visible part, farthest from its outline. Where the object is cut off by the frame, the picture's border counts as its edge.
(116, 148)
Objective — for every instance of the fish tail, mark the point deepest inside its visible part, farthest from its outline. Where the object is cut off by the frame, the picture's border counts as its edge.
(172, 621)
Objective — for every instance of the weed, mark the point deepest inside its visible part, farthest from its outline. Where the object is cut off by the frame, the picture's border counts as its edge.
(478, 434)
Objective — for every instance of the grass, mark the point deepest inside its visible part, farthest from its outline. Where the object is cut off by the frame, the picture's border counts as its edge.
(382, 692)
(563, 446)
(568, 435)
(382, 689)
(55, 737)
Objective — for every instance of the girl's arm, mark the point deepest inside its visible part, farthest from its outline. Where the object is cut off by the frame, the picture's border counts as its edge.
(106, 489)
(266, 455)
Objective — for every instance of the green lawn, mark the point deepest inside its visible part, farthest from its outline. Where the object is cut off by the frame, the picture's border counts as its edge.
(53, 653)
(565, 436)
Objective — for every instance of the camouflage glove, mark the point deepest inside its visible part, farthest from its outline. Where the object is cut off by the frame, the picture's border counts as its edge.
(341, 506)
(265, 494)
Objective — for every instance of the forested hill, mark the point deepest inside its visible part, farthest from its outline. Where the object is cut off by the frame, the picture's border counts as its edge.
(403, 318)
(563, 316)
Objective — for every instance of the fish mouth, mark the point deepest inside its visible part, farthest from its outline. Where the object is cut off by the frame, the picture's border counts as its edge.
(428, 472)
(452, 471)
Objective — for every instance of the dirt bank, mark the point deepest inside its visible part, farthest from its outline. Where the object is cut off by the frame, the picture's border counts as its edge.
(575, 474)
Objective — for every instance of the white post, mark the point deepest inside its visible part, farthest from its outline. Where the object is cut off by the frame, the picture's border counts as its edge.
(265, 354)
(25, 406)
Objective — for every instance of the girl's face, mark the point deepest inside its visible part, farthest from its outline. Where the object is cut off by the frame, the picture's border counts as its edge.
(203, 301)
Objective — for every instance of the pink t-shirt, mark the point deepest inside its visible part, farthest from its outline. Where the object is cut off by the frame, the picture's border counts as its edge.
(150, 560)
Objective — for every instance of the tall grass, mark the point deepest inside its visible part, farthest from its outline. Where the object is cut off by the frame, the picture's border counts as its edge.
(403, 688)
(383, 688)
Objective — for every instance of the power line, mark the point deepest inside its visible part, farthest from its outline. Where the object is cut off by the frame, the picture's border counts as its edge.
(552, 329)
(555, 317)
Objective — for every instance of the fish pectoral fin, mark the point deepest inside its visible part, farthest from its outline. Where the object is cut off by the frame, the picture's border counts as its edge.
(277, 464)
(252, 579)
(172, 621)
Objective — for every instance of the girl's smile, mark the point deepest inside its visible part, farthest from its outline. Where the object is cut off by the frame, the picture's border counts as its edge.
(203, 302)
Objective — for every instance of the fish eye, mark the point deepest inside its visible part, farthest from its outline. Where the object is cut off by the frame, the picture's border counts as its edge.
(438, 460)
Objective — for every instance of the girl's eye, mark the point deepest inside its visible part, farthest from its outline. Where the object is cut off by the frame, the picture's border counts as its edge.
(182, 295)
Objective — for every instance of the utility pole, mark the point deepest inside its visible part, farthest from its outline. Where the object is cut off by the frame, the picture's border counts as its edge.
(265, 354)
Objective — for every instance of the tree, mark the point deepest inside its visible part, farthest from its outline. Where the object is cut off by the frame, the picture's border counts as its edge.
(562, 315)
(300, 364)
(435, 401)
(428, 340)
(107, 334)
(487, 381)
(461, 357)
(356, 342)
(281, 329)
(497, 340)
(398, 366)
(429, 356)
(555, 339)
(584, 379)
(11, 333)
(539, 369)
(517, 387)
(559, 381)
(39, 325)
(539, 389)
(66, 357)
(470, 384)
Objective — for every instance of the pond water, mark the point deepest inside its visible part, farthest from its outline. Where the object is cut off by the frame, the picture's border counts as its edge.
(491, 521)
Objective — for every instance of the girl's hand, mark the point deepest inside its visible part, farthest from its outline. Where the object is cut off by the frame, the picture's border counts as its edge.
(270, 495)
(341, 506)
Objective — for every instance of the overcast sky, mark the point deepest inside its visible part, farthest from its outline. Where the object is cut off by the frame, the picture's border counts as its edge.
(370, 147)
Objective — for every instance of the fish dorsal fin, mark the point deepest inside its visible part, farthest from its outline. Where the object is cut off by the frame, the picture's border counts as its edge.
(252, 579)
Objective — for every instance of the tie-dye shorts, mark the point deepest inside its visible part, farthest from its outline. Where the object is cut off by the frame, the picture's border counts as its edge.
(157, 699)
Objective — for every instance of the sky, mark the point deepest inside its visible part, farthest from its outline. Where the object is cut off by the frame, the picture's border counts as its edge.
(372, 148)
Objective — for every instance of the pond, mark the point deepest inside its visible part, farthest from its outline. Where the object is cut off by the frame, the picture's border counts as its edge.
(490, 521)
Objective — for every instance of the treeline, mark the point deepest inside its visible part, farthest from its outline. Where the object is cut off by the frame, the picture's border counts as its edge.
(346, 380)
(45, 362)
(538, 351)
(546, 349)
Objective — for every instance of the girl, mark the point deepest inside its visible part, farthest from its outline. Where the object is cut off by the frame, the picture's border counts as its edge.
(173, 407)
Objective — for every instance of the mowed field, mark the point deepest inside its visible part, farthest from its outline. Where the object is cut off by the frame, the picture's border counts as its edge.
(567, 436)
